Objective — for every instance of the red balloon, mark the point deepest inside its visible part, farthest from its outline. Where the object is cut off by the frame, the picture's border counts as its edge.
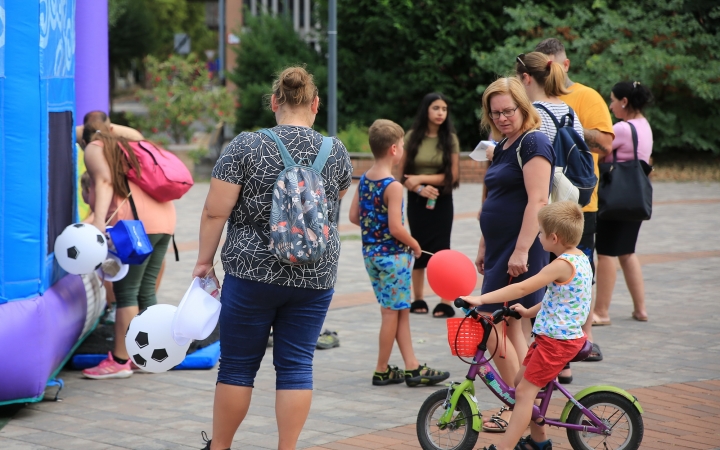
(451, 274)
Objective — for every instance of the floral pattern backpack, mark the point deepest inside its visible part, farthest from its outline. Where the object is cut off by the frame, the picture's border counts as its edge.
(299, 224)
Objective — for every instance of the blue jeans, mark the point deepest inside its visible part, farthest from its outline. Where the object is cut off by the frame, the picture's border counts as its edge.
(249, 309)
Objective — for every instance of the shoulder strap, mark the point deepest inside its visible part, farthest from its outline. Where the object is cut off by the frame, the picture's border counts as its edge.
(323, 154)
(288, 161)
(571, 116)
(132, 202)
(634, 139)
(517, 151)
(552, 116)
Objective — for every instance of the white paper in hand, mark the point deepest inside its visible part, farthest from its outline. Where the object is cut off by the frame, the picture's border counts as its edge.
(479, 153)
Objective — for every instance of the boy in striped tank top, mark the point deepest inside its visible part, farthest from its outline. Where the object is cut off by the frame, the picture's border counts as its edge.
(388, 250)
(558, 318)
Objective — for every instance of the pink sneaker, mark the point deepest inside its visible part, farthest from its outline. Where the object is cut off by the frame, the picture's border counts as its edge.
(108, 368)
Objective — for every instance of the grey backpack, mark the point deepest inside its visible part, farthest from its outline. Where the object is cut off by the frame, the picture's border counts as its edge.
(299, 223)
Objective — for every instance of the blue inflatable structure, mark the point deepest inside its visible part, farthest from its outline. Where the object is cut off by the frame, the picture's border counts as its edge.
(44, 312)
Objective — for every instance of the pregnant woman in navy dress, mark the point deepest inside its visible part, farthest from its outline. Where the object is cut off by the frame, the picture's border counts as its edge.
(509, 246)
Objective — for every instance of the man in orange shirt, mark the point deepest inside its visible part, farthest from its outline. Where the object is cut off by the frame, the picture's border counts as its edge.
(594, 114)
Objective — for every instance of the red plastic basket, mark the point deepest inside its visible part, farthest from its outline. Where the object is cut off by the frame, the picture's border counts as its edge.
(470, 335)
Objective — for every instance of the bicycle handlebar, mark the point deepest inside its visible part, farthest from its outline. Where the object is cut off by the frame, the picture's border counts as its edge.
(498, 315)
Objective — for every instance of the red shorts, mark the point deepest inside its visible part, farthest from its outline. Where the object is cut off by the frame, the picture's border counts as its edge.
(546, 358)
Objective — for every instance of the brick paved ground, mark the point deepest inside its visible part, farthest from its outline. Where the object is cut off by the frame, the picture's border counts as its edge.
(678, 416)
(669, 363)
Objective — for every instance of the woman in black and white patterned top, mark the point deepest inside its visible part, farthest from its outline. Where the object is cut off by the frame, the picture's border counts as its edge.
(259, 290)
(544, 82)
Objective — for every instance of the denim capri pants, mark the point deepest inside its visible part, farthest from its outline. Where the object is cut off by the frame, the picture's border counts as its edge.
(249, 310)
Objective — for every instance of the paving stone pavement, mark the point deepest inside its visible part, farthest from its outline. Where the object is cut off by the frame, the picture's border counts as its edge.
(662, 360)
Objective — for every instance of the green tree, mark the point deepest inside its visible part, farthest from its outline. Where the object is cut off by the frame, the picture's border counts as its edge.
(179, 16)
(268, 45)
(128, 34)
(138, 28)
(393, 52)
(672, 46)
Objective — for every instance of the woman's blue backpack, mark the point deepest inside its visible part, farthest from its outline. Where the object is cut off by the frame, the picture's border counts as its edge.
(299, 223)
(573, 159)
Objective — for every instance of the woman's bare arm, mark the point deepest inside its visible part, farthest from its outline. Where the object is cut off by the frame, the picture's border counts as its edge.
(101, 175)
(536, 175)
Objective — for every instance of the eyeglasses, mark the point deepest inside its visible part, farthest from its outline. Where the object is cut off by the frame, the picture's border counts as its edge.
(519, 59)
(505, 112)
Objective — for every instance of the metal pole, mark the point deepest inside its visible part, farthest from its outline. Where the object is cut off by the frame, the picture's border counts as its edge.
(332, 68)
(221, 43)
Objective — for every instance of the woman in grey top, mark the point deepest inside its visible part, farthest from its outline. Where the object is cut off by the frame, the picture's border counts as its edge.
(260, 291)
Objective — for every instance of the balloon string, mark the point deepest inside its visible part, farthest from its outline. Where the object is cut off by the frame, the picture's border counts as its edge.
(427, 253)
(118, 208)
(211, 268)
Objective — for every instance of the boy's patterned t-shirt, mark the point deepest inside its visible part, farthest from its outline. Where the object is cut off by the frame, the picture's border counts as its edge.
(566, 306)
(374, 221)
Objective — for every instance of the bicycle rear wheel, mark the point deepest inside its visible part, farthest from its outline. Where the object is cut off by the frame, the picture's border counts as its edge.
(456, 435)
(618, 413)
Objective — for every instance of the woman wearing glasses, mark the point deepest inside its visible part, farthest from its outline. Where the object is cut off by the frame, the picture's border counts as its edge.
(509, 248)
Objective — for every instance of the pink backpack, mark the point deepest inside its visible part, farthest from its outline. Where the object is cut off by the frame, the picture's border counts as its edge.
(163, 176)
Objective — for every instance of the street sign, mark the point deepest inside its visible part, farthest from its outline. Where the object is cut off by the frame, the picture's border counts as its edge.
(182, 43)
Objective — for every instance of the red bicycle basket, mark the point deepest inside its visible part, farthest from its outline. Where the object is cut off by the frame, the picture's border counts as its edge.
(466, 341)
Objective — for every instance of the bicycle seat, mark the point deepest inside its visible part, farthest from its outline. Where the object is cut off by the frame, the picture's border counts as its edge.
(583, 353)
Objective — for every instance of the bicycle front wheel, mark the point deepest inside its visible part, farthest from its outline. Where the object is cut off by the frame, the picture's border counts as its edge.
(618, 413)
(458, 434)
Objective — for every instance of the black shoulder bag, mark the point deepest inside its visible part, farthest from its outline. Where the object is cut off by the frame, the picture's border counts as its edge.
(624, 191)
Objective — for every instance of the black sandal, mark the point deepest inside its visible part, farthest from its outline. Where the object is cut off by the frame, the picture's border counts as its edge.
(565, 380)
(419, 304)
(497, 420)
(443, 311)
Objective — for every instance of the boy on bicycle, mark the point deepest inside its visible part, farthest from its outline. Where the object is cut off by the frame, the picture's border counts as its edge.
(558, 318)
(388, 249)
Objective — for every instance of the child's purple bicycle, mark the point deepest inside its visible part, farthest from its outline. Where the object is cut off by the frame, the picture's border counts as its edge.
(599, 417)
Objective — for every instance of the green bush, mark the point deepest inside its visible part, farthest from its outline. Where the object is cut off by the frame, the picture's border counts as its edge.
(180, 95)
(269, 45)
(355, 138)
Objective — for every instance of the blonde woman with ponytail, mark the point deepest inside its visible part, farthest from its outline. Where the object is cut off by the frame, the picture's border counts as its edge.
(544, 82)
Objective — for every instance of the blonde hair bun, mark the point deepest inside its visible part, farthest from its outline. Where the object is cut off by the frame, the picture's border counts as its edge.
(294, 86)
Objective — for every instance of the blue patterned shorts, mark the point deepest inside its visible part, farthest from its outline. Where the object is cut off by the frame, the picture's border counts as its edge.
(391, 279)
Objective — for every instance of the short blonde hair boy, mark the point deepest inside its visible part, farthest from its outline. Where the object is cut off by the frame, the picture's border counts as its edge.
(565, 220)
(383, 134)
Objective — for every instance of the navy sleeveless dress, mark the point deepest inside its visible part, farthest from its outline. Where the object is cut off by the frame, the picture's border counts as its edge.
(502, 216)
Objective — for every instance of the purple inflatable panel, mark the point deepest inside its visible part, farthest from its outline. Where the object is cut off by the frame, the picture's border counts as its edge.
(92, 82)
(36, 335)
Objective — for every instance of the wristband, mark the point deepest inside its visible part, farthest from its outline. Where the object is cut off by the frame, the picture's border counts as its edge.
(419, 189)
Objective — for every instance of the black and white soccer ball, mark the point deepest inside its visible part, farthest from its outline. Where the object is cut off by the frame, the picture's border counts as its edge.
(80, 248)
(149, 340)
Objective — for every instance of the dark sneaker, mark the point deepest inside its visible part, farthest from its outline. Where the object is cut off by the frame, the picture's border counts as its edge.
(392, 375)
(328, 339)
(207, 441)
(425, 375)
